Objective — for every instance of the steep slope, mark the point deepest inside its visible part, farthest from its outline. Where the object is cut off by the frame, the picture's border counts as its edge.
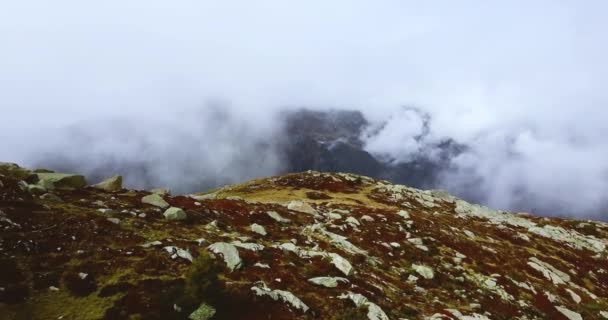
(300, 246)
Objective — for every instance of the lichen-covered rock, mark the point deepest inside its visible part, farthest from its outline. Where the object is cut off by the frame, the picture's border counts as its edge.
(229, 253)
(155, 200)
(329, 282)
(175, 213)
(204, 312)
(177, 252)
(111, 184)
(248, 245)
(277, 217)
(301, 206)
(62, 180)
(425, 271)
(260, 289)
(571, 315)
(551, 273)
(259, 229)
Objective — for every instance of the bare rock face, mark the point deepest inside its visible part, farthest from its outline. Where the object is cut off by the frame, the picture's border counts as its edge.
(111, 184)
(369, 250)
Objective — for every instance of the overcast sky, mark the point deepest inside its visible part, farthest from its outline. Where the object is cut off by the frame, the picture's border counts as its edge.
(522, 82)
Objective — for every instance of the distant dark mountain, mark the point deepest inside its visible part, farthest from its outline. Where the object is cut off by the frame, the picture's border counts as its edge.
(331, 141)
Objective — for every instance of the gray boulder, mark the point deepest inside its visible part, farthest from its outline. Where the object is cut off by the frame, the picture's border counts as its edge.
(62, 180)
(174, 213)
(229, 253)
(328, 282)
(155, 200)
(111, 184)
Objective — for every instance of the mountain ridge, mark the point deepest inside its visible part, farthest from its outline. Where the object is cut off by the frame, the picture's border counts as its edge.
(306, 245)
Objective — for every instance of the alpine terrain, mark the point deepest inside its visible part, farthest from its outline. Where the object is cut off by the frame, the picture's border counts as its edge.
(308, 245)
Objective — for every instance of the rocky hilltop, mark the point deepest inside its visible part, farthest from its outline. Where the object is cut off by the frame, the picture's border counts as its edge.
(299, 246)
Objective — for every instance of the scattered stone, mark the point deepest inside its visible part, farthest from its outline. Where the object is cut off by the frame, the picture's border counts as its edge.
(425, 271)
(571, 315)
(51, 197)
(551, 273)
(277, 217)
(334, 216)
(175, 213)
(575, 297)
(155, 200)
(329, 282)
(404, 214)
(248, 246)
(367, 218)
(177, 252)
(259, 229)
(301, 206)
(352, 221)
(337, 240)
(341, 264)
(418, 243)
(153, 243)
(111, 184)
(229, 253)
(99, 203)
(114, 220)
(261, 265)
(204, 312)
(374, 312)
(107, 211)
(261, 289)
